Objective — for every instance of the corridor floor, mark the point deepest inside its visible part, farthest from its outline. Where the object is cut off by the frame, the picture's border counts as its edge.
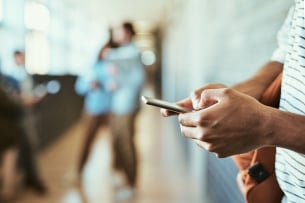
(163, 176)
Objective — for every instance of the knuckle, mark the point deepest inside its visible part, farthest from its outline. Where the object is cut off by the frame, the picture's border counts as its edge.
(203, 135)
(226, 91)
(197, 120)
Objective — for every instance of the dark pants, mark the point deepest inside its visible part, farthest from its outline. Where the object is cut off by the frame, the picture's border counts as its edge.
(93, 123)
(27, 161)
(125, 156)
(26, 156)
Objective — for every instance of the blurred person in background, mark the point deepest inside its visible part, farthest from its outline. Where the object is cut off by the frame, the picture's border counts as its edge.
(96, 85)
(10, 133)
(29, 98)
(125, 106)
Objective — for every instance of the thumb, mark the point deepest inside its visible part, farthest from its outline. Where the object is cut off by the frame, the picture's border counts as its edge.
(210, 97)
(196, 94)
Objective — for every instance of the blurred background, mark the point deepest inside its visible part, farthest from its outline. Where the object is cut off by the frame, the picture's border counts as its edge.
(183, 45)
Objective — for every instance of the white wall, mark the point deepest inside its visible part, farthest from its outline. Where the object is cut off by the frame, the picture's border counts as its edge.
(11, 31)
(217, 41)
(69, 45)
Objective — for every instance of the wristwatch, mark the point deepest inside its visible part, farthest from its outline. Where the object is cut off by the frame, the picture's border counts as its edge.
(258, 172)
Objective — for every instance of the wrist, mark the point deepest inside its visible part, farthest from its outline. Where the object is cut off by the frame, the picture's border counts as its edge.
(268, 130)
(280, 127)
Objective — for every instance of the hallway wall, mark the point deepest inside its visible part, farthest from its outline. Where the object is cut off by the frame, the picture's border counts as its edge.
(56, 113)
(217, 41)
(11, 31)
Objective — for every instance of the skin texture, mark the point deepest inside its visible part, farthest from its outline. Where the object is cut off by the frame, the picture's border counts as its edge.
(230, 121)
(221, 126)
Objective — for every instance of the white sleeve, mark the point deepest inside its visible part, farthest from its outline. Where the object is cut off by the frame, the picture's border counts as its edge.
(283, 39)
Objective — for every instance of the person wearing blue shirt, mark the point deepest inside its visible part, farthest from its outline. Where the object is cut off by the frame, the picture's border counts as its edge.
(96, 87)
(97, 98)
(125, 105)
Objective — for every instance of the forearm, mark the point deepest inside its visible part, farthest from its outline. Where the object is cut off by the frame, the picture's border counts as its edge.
(285, 129)
(257, 84)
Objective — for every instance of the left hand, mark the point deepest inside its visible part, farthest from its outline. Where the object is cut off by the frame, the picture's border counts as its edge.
(228, 123)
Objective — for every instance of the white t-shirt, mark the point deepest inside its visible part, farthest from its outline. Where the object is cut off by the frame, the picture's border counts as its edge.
(290, 165)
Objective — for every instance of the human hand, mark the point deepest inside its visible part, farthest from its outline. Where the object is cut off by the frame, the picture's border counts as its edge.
(228, 123)
(29, 100)
(192, 102)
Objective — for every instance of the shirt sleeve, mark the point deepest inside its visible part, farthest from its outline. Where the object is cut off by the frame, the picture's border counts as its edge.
(83, 83)
(280, 52)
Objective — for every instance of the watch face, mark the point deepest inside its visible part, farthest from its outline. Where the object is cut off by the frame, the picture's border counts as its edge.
(258, 172)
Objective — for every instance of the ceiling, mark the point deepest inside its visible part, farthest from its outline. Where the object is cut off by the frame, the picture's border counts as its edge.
(147, 13)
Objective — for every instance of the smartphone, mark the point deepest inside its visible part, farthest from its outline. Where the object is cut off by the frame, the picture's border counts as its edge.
(164, 104)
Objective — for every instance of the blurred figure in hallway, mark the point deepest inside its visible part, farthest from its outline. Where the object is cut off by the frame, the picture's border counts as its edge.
(96, 85)
(26, 157)
(125, 106)
(10, 132)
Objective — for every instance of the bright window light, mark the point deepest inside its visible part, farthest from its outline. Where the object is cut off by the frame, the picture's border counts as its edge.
(36, 17)
(37, 53)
